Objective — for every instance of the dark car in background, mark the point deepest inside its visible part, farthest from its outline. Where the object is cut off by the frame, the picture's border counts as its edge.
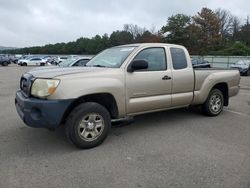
(200, 63)
(13, 59)
(243, 66)
(4, 60)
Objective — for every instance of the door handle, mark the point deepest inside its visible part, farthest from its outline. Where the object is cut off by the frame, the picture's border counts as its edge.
(166, 78)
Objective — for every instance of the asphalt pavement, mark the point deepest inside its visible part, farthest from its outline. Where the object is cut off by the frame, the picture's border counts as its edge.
(176, 148)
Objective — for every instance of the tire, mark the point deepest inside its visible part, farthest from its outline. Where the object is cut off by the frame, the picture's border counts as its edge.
(81, 125)
(214, 103)
(42, 64)
(24, 64)
(248, 72)
(5, 64)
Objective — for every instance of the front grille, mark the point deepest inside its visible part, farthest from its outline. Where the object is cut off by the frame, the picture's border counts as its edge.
(25, 84)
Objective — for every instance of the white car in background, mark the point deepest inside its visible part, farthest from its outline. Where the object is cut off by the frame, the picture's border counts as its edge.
(62, 58)
(33, 61)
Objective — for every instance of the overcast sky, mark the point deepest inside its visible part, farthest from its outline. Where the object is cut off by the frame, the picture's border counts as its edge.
(38, 22)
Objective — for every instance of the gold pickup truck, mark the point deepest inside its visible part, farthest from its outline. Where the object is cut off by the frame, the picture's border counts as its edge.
(120, 82)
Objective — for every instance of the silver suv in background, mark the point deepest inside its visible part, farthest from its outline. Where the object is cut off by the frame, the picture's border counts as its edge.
(243, 66)
(73, 62)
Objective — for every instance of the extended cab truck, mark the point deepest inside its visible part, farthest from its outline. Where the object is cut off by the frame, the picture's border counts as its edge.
(120, 82)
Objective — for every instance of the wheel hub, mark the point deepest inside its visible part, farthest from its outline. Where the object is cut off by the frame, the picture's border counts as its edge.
(91, 127)
(215, 103)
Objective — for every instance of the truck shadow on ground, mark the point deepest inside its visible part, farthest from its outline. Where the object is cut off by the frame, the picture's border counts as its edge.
(41, 140)
(160, 120)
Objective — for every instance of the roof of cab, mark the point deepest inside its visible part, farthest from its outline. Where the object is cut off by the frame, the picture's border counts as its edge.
(150, 45)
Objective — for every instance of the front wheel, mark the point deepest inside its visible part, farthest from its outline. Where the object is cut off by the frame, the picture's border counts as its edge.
(214, 103)
(88, 125)
(5, 63)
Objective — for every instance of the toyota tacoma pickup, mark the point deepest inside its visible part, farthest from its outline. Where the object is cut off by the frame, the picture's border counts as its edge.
(120, 82)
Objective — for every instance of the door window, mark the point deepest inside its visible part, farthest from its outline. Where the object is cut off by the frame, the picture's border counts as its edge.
(155, 57)
(178, 58)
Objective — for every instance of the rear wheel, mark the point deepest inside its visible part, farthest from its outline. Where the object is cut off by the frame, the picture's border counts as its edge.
(24, 64)
(88, 125)
(214, 103)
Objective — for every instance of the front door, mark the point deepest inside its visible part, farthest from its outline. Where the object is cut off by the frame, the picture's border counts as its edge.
(149, 89)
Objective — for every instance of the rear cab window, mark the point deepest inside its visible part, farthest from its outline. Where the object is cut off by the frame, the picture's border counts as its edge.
(179, 58)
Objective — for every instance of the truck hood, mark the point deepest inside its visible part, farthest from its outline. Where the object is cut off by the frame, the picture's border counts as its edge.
(59, 71)
(44, 68)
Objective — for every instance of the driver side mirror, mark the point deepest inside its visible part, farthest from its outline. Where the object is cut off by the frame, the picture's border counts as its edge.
(137, 65)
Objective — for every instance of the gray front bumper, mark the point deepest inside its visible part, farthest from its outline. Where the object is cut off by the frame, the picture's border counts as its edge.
(40, 113)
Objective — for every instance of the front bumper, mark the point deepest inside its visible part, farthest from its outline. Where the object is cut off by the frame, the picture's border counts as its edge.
(40, 113)
(243, 71)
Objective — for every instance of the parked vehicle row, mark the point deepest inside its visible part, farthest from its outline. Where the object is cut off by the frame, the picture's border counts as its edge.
(74, 60)
(64, 61)
(35, 60)
(242, 65)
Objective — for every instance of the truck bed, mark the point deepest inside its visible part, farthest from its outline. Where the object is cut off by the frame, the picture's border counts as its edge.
(204, 80)
(211, 73)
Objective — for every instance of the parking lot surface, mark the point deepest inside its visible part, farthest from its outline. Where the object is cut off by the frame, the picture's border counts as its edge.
(177, 148)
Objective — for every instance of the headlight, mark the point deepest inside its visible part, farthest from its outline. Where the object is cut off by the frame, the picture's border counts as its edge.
(44, 87)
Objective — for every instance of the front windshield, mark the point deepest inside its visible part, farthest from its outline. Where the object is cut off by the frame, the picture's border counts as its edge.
(111, 58)
(67, 62)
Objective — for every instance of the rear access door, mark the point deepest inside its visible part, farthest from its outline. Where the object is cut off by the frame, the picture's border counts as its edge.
(183, 77)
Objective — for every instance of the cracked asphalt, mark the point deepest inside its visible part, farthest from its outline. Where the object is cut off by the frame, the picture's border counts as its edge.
(177, 148)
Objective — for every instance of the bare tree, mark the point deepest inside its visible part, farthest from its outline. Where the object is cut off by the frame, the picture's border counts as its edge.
(153, 30)
(135, 30)
(226, 22)
(247, 21)
(235, 26)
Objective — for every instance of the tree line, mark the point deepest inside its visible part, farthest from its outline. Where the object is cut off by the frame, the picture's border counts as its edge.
(209, 32)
